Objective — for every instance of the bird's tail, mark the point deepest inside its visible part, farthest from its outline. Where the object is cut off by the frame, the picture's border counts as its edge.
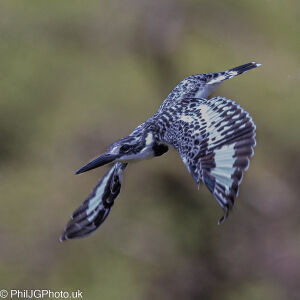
(221, 76)
(94, 210)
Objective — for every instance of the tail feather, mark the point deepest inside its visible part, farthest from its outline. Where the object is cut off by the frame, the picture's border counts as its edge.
(217, 78)
(95, 209)
(244, 68)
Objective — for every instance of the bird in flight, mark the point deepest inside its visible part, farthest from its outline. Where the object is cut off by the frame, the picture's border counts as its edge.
(214, 137)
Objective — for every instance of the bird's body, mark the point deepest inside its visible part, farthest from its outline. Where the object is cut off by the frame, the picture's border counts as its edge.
(214, 137)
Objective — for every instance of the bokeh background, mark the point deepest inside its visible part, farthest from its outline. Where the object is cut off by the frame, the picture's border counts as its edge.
(77, 75)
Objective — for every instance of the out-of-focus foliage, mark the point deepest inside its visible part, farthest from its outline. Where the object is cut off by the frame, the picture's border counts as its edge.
(77, 75)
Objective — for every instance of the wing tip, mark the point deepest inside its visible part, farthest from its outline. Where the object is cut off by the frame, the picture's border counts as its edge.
(224, 217)
(63, 237)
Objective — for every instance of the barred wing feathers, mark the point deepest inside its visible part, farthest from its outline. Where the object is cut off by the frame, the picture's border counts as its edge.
(215, 139)
(94, 210)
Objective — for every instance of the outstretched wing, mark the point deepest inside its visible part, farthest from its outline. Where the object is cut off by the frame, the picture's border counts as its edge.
(94, 210)
(215, 139)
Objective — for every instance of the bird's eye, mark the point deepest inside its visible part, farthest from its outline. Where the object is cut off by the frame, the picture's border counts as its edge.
(125, 148)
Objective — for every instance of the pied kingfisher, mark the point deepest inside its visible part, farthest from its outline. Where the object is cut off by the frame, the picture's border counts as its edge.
(214, 137)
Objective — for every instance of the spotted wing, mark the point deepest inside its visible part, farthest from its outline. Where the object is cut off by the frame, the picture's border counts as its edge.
(94, 210)
(215, 139)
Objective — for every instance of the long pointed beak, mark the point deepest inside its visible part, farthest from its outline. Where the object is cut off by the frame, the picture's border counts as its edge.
(98, 162)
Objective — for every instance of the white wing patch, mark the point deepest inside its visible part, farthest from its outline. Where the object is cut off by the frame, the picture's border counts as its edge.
(96, 203)
(224, 160)
(209, 116)
(187, 119)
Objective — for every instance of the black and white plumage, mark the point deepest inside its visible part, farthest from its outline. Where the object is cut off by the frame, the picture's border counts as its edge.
(94, 210)
(214, 137)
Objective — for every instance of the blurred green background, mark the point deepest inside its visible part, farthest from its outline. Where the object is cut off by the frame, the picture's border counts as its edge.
(77, 75)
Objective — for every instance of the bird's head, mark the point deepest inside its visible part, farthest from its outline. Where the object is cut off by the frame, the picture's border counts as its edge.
(132, 147)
